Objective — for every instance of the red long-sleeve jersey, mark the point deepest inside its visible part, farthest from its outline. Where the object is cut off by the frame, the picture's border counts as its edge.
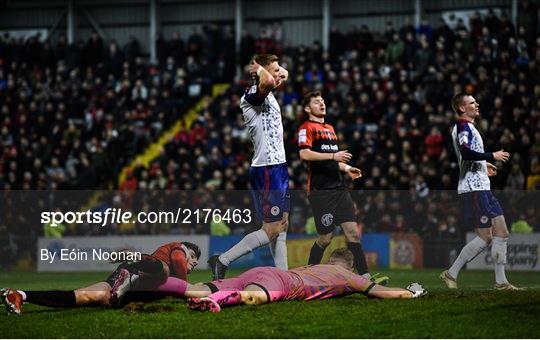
(173, 254)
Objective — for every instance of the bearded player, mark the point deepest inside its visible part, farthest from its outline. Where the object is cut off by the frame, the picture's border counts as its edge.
(268, 174)
(173, 259)
(268, 284)
(479, 207)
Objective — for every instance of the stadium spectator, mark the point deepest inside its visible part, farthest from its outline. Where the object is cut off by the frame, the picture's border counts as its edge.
(528, 18)
(394, 50)
(434, 143)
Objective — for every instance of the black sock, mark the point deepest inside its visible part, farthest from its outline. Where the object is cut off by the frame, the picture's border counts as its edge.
(359, 258)
(51, 298)
(149, 266)
(316, 254)
(142, 296)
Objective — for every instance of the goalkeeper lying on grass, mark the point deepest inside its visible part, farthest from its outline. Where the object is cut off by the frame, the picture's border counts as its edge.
(268, 284)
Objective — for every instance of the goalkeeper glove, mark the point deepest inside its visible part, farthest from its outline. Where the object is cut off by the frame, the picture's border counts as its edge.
(417, 290)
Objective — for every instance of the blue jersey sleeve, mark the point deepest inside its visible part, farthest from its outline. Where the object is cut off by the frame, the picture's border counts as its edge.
(253, 97)
(464, 136)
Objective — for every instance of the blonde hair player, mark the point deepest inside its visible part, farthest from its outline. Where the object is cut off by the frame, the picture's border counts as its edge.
(268, 284)
(480, 209)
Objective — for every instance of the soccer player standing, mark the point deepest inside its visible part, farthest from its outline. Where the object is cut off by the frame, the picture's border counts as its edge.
(330, 201)
(479, 207)
(268, 174)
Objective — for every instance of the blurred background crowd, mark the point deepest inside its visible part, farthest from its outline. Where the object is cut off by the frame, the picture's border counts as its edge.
(72, 116)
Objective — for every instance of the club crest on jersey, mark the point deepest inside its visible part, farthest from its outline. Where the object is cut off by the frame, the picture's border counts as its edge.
(275, 210)
(484, 219)
(327, 220)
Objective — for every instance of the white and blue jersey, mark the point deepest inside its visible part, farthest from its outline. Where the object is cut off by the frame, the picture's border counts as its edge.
(473, 175)
(478, 205)
(263, 120)
(269, 177)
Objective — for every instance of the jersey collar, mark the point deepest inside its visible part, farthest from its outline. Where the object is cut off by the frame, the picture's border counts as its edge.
(314, 121)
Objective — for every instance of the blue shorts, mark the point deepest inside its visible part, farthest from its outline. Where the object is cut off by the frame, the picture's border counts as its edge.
(478, 208)
(270, 191)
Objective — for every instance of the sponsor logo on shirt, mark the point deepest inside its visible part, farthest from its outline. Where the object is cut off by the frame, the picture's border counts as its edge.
(326, 147)
(302, 138)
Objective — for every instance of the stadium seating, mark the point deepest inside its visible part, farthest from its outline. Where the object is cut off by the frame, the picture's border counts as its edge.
(73, 118)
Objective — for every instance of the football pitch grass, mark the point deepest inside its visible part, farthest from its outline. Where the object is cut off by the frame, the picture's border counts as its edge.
(476, 311)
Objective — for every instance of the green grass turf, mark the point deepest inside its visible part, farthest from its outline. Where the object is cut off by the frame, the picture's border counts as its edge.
(476, 311)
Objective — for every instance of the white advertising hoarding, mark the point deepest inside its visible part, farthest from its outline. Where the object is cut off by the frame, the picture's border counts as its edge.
(522, 253)
(97, 247)
(27, 33)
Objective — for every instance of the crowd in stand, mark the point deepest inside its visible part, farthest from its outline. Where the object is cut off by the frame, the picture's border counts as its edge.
(388, 97)
(72, 117)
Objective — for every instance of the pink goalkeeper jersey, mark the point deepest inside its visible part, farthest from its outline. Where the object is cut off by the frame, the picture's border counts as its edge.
(322, 281)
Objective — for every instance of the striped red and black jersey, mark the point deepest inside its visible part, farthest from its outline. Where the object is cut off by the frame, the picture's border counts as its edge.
(321, 137)
(174, 256)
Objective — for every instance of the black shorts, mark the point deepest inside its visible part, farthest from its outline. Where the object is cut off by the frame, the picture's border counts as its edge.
(331, 208)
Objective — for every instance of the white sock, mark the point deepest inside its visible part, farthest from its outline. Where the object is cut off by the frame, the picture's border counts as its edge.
(23, 294)
(278, 249)
(471, 249)
(249, 243)
(499, 249)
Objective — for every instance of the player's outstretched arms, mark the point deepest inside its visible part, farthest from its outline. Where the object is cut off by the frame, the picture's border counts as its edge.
(413, 291)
